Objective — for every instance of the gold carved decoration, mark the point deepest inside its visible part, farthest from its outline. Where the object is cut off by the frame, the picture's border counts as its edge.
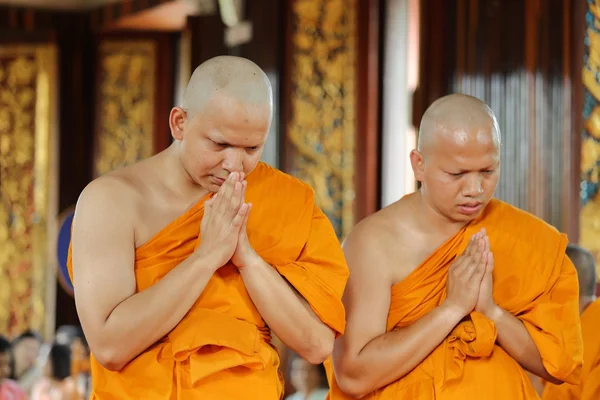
(589, 218)
(322, 126)
(27, 181)
(125, 132)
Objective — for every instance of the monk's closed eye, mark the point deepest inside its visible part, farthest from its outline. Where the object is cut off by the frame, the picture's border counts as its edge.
(220, 145)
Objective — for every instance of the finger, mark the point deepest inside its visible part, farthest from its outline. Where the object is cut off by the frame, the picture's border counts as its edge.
(483, 263)
(225, 193)
(243, 198)
(228, 194)
(490, 263)
(241, 216)
(476, 259)
(487, 242)
(245, 223)
(470, 250)
(235, 201)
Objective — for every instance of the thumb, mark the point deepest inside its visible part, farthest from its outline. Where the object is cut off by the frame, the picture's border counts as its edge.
(245, 223)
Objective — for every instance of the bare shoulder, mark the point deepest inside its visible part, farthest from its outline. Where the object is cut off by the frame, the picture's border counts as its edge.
(380, 241)
(115, 192)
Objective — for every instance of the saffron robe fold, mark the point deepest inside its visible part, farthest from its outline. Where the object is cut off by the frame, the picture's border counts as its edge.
(533, 280)
(221, 349)
(590, 373)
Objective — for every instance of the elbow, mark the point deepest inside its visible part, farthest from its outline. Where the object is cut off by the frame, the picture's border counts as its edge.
(553, 380)
(320, 348)
(110, 359)
(317, 354)
(352, 386)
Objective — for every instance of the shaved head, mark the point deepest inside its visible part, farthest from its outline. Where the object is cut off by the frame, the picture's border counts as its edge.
(457, 160)
(586, 269)
(453, 117)
(226, 79)
(224, 121)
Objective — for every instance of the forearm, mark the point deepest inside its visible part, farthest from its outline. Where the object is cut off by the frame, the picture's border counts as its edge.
(144, 318)
(514, 338)
(392, 355)
(287, 313)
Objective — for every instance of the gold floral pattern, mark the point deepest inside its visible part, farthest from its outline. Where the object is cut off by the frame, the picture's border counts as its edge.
(322, 124)
(589, 218)
(24, 183)
(126, 104)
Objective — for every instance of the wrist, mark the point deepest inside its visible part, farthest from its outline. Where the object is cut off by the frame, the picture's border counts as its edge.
(254, 263)
(207, 260)
(493, 313)
(452, 311)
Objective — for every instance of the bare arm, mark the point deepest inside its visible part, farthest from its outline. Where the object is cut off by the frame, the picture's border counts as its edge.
(514, 338)
(366, 357)
(120, 323)
(287, 313)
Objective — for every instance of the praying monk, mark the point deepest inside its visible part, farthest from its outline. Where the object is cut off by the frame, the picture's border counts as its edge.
(453, 295)
(183, 264)
(588, 388)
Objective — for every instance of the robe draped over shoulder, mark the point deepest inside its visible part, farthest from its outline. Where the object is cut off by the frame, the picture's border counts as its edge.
(221, 349)
(588, 387)
(533, 280)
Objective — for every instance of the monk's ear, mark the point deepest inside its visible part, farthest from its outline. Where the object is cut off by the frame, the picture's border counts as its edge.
(177, 120)
(417, 163)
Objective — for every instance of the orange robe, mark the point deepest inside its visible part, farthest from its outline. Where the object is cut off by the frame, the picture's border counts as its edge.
(589, 386)
(533, 280)
(221, 349)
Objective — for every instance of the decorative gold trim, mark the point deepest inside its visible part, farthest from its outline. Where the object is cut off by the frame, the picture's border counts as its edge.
(120, 141)
(43, 229)
(322, 125)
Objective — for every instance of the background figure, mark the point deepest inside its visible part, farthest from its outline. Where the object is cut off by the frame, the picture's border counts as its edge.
(66, 334)
(26, 351)
(309, 381)
(589, 308)
(9, 389)
(57, 383)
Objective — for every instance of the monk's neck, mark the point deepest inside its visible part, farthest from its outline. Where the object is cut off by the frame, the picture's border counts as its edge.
(431, 219)
(172, 174)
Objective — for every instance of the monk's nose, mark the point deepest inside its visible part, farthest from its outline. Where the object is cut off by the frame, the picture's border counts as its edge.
(473, 186)
(233, 161)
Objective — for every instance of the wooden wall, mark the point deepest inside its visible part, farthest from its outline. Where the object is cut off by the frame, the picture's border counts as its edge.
(522, 57)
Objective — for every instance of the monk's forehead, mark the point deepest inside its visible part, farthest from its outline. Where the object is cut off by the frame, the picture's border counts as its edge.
(230, 106)
(465, 133)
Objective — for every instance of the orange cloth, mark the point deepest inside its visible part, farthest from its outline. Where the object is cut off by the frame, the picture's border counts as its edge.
(221, 349)
(590, 373)
(533, 280)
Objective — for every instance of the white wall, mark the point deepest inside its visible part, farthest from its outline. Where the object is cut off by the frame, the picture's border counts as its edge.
(400, 67)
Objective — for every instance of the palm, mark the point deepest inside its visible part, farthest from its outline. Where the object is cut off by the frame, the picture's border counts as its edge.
(486, 299)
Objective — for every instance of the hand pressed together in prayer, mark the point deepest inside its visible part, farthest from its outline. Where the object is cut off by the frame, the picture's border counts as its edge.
(223, 226)
(485, 302)
(469, 284)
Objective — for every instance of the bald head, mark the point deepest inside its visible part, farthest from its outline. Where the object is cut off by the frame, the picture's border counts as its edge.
(227, 79)
(586, 269)
(458, 118)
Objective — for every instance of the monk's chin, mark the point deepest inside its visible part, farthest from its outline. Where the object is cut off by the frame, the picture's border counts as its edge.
(462, 216)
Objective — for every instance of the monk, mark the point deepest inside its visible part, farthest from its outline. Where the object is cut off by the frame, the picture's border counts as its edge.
(453, 295)
(589, 307)
(186, 263)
